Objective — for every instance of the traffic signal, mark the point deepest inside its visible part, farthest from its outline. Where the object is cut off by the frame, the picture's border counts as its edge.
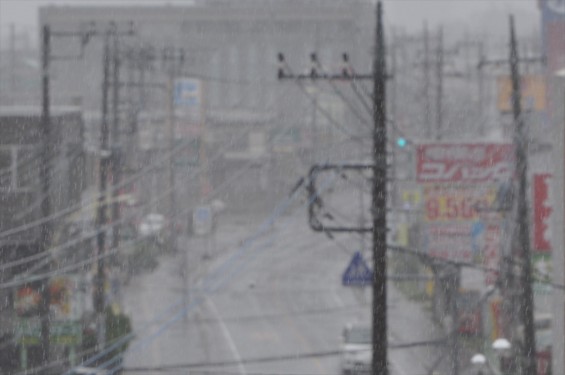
(401, 142)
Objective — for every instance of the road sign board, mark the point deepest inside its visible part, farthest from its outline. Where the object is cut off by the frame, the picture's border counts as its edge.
(187, 92)
(357, 272)
(202, 220)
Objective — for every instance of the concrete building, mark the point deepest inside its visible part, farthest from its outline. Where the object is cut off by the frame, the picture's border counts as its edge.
(20, 192)
(231, 48)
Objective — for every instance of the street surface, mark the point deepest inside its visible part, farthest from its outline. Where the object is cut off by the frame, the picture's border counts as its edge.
(277, 306)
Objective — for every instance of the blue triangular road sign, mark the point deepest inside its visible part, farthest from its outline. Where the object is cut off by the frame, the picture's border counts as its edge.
(357, 272)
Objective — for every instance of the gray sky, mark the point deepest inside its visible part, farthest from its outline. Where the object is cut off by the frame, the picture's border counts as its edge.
(472, 15)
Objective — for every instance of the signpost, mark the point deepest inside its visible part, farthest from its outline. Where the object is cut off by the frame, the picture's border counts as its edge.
(357, 273)
(202, 220)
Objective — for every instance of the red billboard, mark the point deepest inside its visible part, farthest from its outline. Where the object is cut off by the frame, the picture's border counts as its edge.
(542, 213)
(464, 162)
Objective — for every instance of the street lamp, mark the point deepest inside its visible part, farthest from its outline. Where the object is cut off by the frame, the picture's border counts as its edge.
(502, 347)
(479, 362)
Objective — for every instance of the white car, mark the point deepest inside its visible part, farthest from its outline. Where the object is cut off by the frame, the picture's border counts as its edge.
(356, 354)
(87, 371)
(151, 224)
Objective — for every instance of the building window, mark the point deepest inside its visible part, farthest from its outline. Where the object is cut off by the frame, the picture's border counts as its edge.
(6, 167)
(27, 168)
(19, 167)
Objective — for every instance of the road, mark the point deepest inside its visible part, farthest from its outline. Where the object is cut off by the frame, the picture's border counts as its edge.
(273, 305)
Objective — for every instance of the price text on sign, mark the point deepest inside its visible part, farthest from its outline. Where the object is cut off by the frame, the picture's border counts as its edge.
(456, 204)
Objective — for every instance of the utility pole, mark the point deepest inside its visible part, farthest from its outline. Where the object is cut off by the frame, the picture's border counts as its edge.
(101, 217)
(426, 67)
(379, 187)
(171, 136)
(439, 83)
(172, 72)
(526, 306)
(44, 175)
(453, 283)
(480, 87)
(12, 59)
(378, 207)
(116, 149)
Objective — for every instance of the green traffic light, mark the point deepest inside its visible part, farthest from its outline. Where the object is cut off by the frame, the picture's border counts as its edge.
(401, 142)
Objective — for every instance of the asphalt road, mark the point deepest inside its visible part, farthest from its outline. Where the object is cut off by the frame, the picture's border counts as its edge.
(274, 305)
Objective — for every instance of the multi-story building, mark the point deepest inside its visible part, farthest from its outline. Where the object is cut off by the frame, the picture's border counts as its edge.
(21, 195)
(231, 48)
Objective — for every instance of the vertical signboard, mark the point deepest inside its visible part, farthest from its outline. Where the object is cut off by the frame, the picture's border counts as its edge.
(542, 213)
(553, 29)
(460, 184)
(188, 107)
(533, 90)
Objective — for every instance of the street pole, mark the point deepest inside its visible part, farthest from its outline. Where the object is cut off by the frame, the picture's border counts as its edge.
(44, 172)
(116, 149)
(101, 217)
(526, 305)
(171, 136)
(378, 207)
(13, 59)
(426, 67)
(453, 284)
(378, 189)
(480, 87)
(439, 83)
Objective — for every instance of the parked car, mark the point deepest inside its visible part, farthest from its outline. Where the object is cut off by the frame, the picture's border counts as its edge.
(356, 354)
(152, 224)
(87, 371)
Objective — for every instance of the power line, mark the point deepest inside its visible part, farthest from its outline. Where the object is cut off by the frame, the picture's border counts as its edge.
(279, 210)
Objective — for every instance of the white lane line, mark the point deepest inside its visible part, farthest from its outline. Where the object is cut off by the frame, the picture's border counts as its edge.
(227, 336)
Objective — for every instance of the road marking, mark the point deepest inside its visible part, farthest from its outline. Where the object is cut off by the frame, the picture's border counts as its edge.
(399, 369)
(227, 336)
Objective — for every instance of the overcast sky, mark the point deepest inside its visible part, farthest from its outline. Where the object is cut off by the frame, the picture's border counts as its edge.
(472, 15)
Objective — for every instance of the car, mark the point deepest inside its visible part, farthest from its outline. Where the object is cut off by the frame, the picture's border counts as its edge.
(152, 224)
(80, 370)
(356, 353)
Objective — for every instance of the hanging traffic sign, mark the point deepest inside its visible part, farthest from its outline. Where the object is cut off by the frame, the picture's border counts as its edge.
(357, 272)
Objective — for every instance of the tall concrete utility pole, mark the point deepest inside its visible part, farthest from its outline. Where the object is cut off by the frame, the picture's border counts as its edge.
(439, 85)
(116, 146)
(526, 305)
(44, 172)
(379, 203)
(12, 59)
(480, 88)
(171, 136)
(426, 67)
(101, 216)
(379, 186)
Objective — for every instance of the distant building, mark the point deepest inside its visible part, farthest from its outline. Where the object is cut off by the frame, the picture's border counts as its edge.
(20, 189)
(231, 48)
